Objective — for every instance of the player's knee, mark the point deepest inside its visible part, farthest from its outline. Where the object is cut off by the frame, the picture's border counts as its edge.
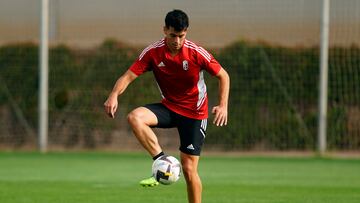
(134, 118)
(188, 169)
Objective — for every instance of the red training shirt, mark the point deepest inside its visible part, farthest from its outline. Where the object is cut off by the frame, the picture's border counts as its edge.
(180, 78)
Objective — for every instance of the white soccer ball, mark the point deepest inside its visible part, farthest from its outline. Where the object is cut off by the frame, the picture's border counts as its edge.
(166, 169)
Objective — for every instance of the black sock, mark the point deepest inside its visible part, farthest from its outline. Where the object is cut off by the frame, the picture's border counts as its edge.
(159, 155)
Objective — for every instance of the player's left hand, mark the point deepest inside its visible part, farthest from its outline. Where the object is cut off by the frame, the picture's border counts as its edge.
(220, 113)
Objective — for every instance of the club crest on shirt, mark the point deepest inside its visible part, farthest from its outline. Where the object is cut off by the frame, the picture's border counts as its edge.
(185, 65)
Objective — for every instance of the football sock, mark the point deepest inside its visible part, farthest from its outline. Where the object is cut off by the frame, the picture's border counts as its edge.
(159, 155)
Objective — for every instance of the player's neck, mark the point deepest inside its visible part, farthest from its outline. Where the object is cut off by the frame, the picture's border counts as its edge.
(173, 52)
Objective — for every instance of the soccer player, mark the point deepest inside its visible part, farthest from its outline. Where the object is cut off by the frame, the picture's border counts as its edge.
(178, 66)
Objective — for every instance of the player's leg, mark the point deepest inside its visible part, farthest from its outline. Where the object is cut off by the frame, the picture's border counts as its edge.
(193, 182)
(192, 136)
(140, 120)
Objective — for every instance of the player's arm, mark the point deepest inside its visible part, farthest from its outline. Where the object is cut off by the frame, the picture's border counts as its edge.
(121, 84)
(221, 111)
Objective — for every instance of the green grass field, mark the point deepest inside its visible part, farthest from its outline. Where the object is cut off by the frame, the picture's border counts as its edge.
(113, 177)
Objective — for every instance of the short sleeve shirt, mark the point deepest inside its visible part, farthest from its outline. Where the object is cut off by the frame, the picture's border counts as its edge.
(180, 78)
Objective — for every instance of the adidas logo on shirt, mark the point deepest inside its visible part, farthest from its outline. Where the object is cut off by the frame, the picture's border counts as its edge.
(190, 147)
(161, 64)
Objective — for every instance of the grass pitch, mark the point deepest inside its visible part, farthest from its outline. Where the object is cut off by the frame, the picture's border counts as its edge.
(107, 177)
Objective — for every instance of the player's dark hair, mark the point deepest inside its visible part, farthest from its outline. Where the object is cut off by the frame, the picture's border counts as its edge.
(177, 19)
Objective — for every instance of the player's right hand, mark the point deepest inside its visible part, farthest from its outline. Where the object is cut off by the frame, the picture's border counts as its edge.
(111, 105)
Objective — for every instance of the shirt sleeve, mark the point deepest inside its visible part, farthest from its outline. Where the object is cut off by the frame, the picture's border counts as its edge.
(141, 64)
(208, 62)
(213, 66)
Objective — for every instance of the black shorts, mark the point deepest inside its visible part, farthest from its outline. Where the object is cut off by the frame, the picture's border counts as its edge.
(191, 131)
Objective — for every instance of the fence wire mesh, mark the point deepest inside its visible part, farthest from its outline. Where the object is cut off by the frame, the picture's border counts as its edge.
(270, 49)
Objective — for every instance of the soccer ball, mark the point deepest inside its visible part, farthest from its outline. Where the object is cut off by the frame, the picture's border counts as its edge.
(166, 170)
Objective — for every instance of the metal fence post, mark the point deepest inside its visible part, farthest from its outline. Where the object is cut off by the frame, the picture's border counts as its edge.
(44, 66)
(323, 90)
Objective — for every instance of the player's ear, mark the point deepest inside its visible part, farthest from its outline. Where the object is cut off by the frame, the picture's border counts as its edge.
(165, 30)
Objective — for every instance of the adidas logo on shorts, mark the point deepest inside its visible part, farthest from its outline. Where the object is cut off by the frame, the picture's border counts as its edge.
(190, 147)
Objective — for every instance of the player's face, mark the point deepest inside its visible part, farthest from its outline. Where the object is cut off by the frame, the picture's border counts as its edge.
(174, 39)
